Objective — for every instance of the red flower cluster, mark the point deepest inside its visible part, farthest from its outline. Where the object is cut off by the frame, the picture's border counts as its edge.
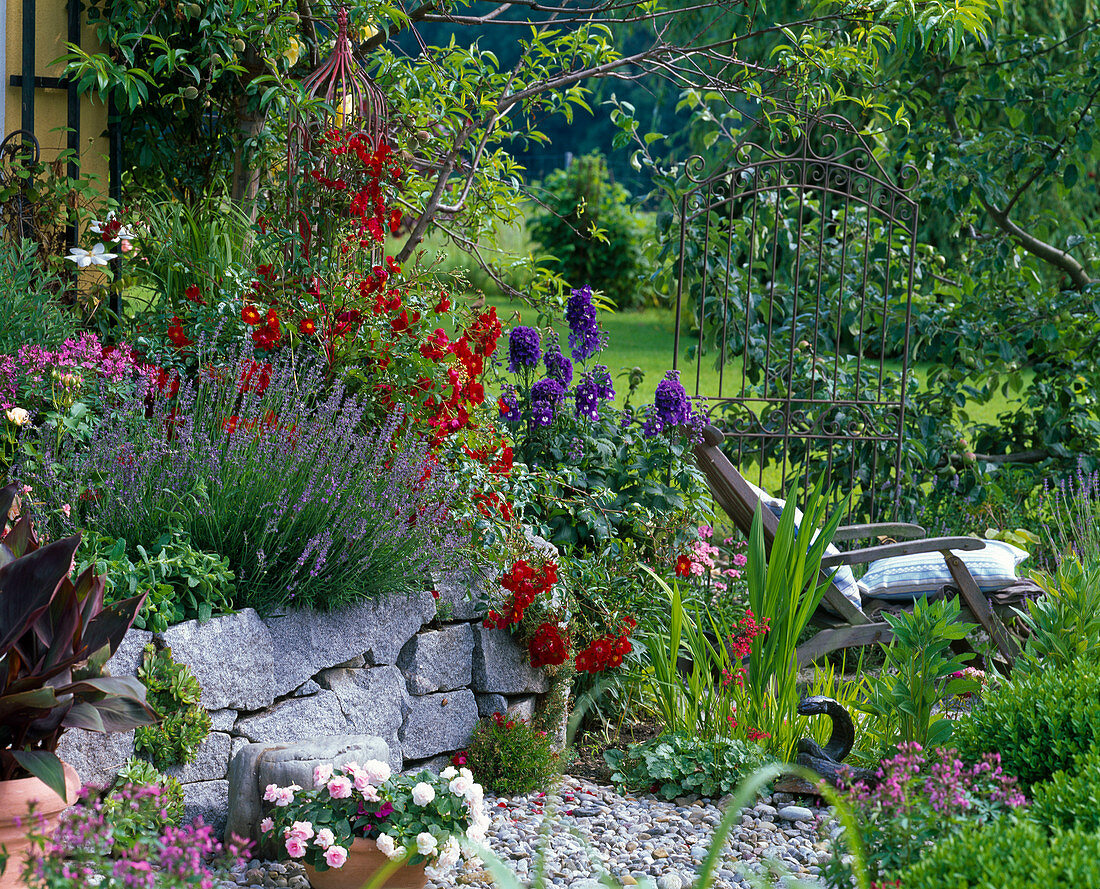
(176, 336)
(547, 647)
(607, 652)
(501, 722)
(524, 583)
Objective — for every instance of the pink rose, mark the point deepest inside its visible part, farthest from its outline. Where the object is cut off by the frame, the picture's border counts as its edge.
(325, 838)
(321, 774)
(335, 856)
(266, 825)
(339, 788)
(270, 791)
(295, 847)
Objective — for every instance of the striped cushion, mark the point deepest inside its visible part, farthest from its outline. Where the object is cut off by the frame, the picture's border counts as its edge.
(922, 574)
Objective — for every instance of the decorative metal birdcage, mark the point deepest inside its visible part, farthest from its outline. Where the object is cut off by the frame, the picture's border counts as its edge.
(794, 281)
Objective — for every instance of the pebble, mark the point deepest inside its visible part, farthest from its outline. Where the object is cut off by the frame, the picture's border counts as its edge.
(795, 813)
(600, 831)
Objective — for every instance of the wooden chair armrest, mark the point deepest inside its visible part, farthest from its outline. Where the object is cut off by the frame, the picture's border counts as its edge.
(880, 529)
(889, 550)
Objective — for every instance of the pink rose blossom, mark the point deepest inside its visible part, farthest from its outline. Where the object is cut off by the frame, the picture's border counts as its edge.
(321, 774)
(339, 788)
(266, 825)
(295, 847)
(335, 856)
(325, 838)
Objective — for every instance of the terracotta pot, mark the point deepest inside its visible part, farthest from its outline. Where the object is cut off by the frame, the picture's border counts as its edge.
(16, 799)
(364, 860)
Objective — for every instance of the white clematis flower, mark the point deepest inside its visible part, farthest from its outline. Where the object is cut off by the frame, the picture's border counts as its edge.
(98, 255)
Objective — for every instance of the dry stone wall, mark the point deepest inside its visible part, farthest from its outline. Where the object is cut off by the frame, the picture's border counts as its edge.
(414, 671)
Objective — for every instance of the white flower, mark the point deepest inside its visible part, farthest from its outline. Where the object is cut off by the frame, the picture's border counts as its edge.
(377, 772)
(18, 416)
(448, 855)
(460, 785)
(96, 228)
(98, 255)
(425, 843)
(466, 773)
(422, 794)
(385, 845)
(325, 838)
(448, 773)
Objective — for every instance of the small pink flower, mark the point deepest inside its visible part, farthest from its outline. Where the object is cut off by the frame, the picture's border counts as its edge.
(295, 847)
(65, 508)
(325, 838)
(339, 788)
(270, 792)
(266, 825)
(335, 856)
(321, 774)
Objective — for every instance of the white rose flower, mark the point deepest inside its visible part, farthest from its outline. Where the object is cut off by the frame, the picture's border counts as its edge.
(377, 772)
(425, 843)
(460, 785)
(466, 773)
(422, 794)
(449, 854)
(18, 416)
(448, 773)
(385, 845)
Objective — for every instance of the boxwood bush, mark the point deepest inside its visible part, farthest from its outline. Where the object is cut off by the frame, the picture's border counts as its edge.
(1071, 799)
(1039, 723)
(1007, 856)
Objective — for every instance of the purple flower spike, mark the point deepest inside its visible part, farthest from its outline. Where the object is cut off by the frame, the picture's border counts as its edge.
(585, 338)
(670, 403)
(509, 407)
(558, 366)
(523, 348)
(548, 390)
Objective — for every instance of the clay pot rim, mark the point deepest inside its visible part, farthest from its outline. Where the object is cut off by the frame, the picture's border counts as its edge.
(73, 786)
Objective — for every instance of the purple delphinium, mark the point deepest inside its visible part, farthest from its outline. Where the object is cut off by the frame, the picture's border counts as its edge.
(594, 387)
(670, 403)
(523, 348)
(508, 405)
(558, 366)
(546, 395)
(585, 338)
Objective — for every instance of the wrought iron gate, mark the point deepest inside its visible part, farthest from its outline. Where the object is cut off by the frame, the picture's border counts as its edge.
(793, 296)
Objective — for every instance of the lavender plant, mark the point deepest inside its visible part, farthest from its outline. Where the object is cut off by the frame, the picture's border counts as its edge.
(603, 474)
(272, 469)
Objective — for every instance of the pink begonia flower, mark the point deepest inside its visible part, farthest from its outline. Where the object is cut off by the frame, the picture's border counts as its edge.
(339, 788)
(321, 774)
(335, 856)
(270, 792)
(303, 830)
(284, 796)
(370, 793)
(325, 838)
(266, 825)
(295, 848)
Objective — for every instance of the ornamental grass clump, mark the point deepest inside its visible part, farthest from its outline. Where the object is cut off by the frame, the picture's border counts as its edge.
(268, 466)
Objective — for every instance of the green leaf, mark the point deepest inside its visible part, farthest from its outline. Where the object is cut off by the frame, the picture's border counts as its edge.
(46, 767)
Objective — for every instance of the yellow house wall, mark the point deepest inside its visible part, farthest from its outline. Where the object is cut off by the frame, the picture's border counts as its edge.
(50, 105)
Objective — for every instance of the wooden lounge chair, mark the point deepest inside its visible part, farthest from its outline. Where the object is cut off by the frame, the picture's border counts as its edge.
(847, 626)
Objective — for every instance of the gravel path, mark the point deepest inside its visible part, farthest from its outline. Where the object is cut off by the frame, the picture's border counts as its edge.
(632, 837)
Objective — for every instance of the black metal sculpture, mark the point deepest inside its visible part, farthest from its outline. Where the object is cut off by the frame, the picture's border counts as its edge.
(827, 760)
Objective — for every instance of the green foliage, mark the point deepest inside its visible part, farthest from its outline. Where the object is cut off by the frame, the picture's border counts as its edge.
(589, 229)
(174, 692)
(784, 591)
(905, 699)
(1007, 855)
(180, 582)
(509, 757)
(1065, 623)
(137, 816)
(29, 311)
(677, 763)
(1070, 799)
(1039, 721)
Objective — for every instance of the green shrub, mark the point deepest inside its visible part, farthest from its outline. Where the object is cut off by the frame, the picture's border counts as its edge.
(1070, 799)
(510, 757)
(135, 814)
(182, 582)
(675, 764)
(27, 306)
(1039, 721)
(1009, 856)
(174, 692)
(578, 200)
